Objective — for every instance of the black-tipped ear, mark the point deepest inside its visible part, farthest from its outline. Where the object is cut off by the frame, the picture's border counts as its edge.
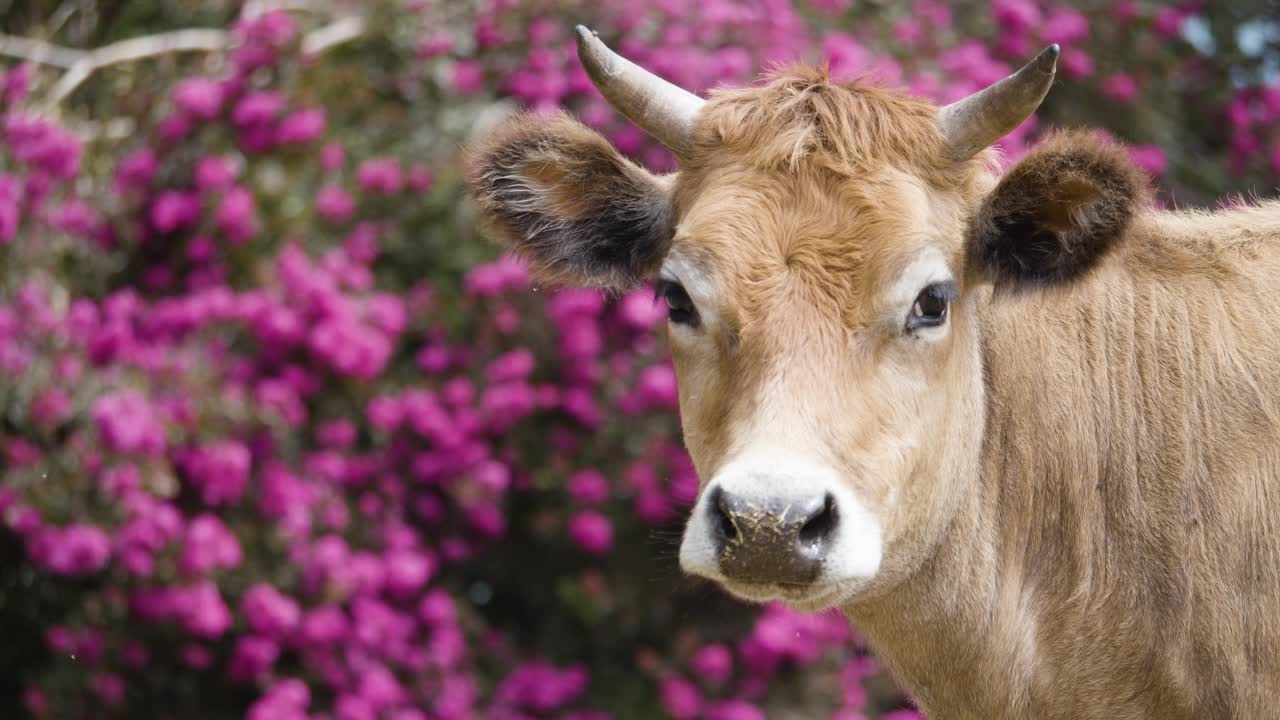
(1055, 214)
(560, 196)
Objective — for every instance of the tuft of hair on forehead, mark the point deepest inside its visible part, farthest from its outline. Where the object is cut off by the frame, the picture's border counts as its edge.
(800, 118)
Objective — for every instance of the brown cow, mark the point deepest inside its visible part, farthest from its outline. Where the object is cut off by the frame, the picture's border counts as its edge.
(1022, 429)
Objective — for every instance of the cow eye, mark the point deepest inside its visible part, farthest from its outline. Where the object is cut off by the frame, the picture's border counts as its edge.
(931, 306)
(679, 307)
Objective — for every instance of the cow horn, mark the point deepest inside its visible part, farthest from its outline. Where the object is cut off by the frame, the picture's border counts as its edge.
(663, 110)
(977, 121)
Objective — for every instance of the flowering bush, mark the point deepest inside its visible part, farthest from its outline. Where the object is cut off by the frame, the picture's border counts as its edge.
(282, 436)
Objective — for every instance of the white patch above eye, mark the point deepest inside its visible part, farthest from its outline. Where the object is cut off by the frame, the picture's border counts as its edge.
(928, 268)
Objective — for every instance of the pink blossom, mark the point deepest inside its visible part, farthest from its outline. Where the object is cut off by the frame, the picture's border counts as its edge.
(680, 698)
(591, 531)
(237, 215)
(10, 208)
(1150, 158)
(209, 545)
(215, 172)
(435, 45)
(332, 156)
(301, 126)
(334, 204)
(202, 611)
(1076, 62)
(174, 210)
(1168, 22)
(380, 175)
(257, 108)
(15, 84)
(127, 422)
(199, 97)
(1064, 25)
(1120, 86)
(134, 171)
(109, 687)
(1016, 15)
(468, 77)
(714, 663)
(589, 487)
(734, 710)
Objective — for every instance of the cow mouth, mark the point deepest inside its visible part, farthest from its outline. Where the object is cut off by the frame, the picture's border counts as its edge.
(808, 597)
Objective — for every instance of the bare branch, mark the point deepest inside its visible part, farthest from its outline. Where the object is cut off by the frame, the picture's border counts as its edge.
(136, 49)
(80, 65)
(335, 33)
(38, 51)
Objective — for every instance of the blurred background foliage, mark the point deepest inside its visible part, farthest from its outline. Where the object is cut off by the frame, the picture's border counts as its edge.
(284, 436)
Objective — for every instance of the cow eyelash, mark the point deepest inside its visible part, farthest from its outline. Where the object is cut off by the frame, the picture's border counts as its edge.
(932, 306)
(680, 309)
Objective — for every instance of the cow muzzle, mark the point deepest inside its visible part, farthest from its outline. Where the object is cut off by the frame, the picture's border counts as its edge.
(778, 539)
(769, 527)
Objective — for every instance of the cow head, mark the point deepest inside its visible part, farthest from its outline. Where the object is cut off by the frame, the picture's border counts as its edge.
(822, 252)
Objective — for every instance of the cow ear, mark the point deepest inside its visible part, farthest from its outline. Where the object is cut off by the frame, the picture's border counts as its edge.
(562, 198)
(1057, 213)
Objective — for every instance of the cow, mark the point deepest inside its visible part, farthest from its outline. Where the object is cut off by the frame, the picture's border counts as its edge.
(1021, 427)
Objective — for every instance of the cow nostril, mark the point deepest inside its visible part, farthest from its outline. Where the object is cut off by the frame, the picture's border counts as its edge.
(723, 516)
(819, 527)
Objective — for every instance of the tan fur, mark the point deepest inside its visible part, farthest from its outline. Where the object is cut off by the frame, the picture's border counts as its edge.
(1079, 485)
(1079, 488)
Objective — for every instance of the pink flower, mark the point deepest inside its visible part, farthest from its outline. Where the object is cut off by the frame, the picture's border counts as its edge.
(334, 204)
(257, 108)
(1168, 22)
(50, 407)
(10, 207)
(380, 175)
(1150, 158)
(419, 179)
(734, 710)
(78, 549)
(14, 85)
(437, 608)
(253, 657)
(589, 487)
(220, 470)
(1076, 63)
(1016, 14)
(109, 687)
(199, 97)
(435, 45)
(713, 662)
(407, 571)
(174, 210)
(680, 698)
(215, 172)
(1064, 25)
(332, 156)
(657, 386)
(127, 423)
(832, 7)
(237, 215)
(468, 77)
(202, 610)
(302, 126)
(591, 531)
(134, 171)
(209, 545)
(1120, 86)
